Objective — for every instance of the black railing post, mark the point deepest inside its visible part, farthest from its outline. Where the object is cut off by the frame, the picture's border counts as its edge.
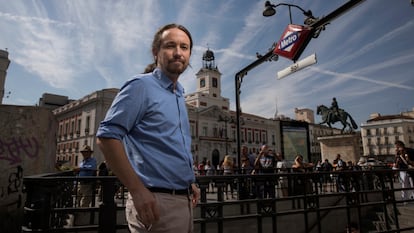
(222, 185)
(107, 210)
(203, 184)
(49, 199)
(37, 206)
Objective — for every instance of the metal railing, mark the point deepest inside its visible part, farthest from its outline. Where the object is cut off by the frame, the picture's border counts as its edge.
(300, 202)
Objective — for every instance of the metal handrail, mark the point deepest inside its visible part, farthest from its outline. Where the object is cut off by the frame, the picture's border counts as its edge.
(350, 194)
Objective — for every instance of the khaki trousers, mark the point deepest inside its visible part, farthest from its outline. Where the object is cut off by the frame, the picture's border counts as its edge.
(85, 192)
(176, 215)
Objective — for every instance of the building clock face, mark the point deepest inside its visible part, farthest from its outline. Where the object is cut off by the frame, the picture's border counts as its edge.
(202, 83)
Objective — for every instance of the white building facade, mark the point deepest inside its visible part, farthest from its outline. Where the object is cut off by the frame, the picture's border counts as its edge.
(379, 134)
(78, 122)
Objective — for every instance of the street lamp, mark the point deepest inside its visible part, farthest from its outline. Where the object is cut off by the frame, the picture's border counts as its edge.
(225, 119)
(270, 10)
(317, 24)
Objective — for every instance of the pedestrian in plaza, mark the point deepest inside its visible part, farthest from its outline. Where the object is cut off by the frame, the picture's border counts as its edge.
(146, 139)
(301, 183)
(228, 169)
(283, 168)
(200, 167)
(265, 164)
(339, 163)
(210, 171)
(404, 158)
(327, 168)
(87, 168)
(245, 153)
(341, 180)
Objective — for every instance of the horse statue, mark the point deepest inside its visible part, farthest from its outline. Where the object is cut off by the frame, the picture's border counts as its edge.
(329, 117)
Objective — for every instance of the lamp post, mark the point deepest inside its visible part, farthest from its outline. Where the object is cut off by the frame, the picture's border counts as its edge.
(317, 24)
(270, 9)
(225, 119)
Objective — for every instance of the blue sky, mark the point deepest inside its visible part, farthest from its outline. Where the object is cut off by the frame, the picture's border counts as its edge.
(75, 47)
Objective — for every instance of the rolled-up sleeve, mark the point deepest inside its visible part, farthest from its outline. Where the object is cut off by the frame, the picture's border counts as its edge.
(126, 110)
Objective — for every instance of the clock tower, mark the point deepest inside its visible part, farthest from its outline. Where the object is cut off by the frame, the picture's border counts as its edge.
(208, 91)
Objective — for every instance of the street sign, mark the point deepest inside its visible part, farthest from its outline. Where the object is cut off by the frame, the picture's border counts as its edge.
(310, 60)
(293, 41)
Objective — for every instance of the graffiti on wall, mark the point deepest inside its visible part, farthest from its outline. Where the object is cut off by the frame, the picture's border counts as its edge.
(27, 147)
(13, 186)
(13, 150)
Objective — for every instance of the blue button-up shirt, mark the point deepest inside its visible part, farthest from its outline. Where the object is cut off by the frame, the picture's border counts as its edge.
(151, 119)
(88, 167)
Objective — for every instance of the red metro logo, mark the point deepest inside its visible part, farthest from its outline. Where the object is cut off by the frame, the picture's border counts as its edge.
(293, 41)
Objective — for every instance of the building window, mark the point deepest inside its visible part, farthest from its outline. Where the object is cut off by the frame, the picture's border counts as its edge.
(78, 127)
(72, 128)
(215, 82)
(249, 137)
(88, 122)
(66, 129)
(205, 130)
(60, 130)
(202, 82)
(215, 132)
(192, 130)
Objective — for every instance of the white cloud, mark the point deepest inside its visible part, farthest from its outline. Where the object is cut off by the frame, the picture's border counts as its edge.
(78, 47)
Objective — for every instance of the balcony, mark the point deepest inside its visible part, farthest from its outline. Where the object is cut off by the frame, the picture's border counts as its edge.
(311, 202)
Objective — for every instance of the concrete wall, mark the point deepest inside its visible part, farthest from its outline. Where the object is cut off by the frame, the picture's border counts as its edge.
(345, 144)
(27, 147)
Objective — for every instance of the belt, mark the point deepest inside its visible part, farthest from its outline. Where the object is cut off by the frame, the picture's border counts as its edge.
(170, 191)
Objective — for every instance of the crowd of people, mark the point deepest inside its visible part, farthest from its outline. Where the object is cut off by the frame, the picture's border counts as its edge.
(266, 161)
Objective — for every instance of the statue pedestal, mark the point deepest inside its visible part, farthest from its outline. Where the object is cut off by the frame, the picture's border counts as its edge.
(347, 145)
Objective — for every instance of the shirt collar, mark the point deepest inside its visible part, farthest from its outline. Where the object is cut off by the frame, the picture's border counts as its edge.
(167, 83)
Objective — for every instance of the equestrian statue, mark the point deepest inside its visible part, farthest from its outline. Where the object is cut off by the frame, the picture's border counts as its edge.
(335, 114)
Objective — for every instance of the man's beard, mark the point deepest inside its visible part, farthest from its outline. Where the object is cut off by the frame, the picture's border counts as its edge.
(174, 68)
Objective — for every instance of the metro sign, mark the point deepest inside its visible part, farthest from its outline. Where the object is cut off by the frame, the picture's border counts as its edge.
(293, 41)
